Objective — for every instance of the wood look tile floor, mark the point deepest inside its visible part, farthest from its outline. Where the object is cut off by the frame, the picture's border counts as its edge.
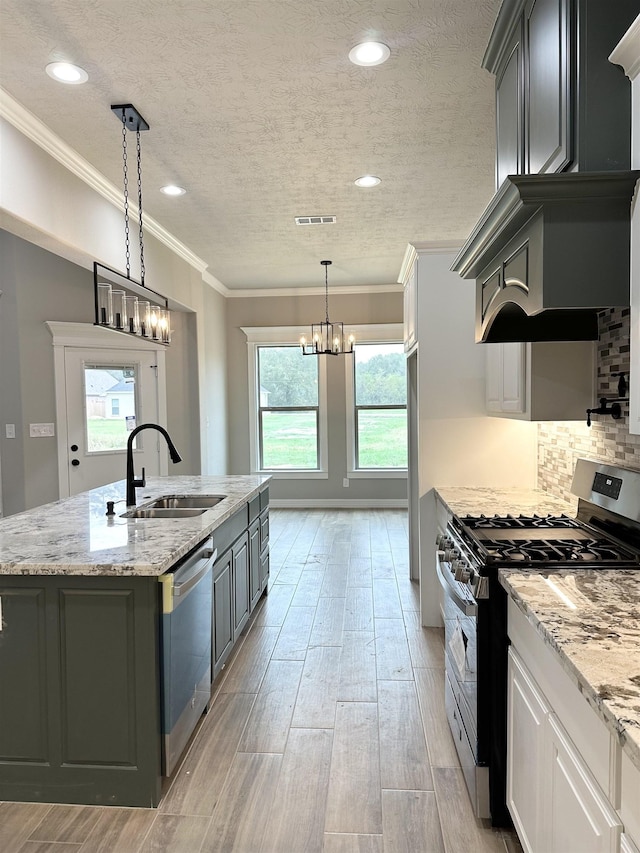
(327, 733)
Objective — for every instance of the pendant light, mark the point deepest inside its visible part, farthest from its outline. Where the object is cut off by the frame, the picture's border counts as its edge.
(121, 302)
(327, 338)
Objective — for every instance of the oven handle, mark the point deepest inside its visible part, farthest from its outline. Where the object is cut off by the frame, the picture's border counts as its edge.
(447, 582)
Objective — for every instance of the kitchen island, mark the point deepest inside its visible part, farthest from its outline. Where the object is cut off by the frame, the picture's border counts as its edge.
(80, 646)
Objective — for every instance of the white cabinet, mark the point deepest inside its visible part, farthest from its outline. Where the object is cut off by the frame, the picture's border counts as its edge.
(579, 819)
(570, 787)
(410, 294)
(528, 714)
(627, 54)
(556, 804)
(540, 381)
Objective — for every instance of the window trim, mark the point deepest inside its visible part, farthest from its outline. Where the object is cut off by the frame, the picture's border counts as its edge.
(379, 333)
(283, 336)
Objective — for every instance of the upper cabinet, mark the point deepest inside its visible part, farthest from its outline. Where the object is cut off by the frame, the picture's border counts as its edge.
(552, 247)
(560, 104)
(627, 54)
(409, 280)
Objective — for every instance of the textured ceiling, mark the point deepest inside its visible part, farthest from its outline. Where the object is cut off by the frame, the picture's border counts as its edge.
(256, 110)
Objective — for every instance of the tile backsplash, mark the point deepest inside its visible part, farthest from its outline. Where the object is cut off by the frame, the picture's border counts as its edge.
(561, 443)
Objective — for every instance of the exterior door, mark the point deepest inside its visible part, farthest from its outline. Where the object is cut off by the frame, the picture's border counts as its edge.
(108, 393)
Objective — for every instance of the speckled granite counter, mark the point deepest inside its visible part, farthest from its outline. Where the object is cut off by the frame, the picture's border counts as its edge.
(74, 535)
(476, 501)
(597, 643)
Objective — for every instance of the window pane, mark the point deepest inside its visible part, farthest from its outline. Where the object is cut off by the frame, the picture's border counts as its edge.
(110, 406)
(287, 378)
(382, 438)
(289, 440)
(380, 375)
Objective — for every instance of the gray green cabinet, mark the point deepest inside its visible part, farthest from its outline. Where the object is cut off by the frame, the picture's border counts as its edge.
(79, 702)
(240, 574)
(560, 103)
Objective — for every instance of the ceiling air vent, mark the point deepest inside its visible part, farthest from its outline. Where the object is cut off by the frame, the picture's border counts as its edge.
(315, 220)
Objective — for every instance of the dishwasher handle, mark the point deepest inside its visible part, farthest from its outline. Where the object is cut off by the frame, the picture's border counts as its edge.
(177, 584)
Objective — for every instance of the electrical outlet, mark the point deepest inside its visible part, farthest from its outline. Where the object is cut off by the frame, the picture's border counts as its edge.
(345, 483)
(10, 430)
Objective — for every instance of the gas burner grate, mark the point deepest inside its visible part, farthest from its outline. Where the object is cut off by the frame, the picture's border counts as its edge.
(555, 551)
(506, 522)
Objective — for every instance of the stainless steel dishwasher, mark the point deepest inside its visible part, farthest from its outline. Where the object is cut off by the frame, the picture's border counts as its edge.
(185, 648)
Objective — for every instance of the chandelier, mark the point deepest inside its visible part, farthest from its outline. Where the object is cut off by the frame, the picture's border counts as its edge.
(121, 302)
(327, 338)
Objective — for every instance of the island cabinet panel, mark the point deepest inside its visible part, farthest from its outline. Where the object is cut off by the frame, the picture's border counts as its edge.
(254, 562)
(95, 655)
(240, 553)
(23, 675)
(222, 611)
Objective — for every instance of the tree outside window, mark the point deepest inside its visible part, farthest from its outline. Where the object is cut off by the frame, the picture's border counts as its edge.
(380, 403)
(288, 409)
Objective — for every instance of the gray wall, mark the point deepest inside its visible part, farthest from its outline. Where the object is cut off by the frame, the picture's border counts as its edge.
(38, 286)
(302, 311)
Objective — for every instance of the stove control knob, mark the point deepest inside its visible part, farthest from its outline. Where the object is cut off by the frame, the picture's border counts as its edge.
(443, 542)
(462, 572)
(451, 554)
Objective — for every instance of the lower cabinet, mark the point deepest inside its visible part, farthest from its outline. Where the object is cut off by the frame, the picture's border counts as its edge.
(240, 574)
(79, 689)
(569, 784)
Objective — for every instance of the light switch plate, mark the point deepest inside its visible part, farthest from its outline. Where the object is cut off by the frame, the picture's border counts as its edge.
(10, 430)
(40, 430)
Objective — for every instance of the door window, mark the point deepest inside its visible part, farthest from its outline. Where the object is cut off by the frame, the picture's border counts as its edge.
(110, 405)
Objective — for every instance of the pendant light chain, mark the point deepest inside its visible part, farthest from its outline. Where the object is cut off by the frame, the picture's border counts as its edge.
(326, 292)
(125, 170)
(142, 268)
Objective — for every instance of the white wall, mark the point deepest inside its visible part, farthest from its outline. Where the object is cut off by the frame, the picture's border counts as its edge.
(458, 444)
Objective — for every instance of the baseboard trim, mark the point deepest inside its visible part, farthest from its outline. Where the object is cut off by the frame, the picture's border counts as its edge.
(338, 503)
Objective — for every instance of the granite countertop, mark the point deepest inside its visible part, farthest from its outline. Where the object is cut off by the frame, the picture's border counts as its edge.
(477, 501)
(597, 643)
(74, 536)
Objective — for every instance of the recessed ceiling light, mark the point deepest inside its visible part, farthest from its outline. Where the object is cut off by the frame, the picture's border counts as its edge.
(65, 72)
(369, 53)
(171, 189)
(367, 181)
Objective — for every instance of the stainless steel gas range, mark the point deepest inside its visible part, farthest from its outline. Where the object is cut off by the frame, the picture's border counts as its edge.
(605, 533)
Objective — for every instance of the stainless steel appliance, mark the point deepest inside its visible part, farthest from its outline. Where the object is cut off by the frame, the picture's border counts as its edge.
(604, 534)
(185, 648)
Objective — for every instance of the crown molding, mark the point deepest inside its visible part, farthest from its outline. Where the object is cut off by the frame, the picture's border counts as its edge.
(315, 291)
(35, 130)
(627, 52)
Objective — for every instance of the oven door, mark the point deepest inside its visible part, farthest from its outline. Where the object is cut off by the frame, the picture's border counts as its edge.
(460, 613)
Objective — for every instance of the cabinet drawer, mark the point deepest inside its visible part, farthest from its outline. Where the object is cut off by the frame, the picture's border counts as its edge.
(254, 508)
(264, 530)
(231, 530)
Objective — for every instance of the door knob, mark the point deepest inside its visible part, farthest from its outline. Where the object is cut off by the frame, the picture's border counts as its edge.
(75, 462)
(74, 447)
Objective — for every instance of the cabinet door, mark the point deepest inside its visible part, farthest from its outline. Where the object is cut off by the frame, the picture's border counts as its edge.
(547, 79)
(240, 584)
(264, 570)
(264, 529)
(222, 610)
(579, 819)
(410, 312)
(526, 721)
(254, 562)
(506, 378)
(509, 112)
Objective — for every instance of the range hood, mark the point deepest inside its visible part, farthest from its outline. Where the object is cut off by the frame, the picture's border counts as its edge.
(548, 253)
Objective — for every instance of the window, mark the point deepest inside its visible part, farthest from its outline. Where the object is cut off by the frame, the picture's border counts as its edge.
(379, 407)
(108, 419)
(288, 409)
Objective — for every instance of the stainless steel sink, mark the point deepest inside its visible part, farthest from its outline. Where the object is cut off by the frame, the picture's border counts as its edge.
(162, 512)
(174, 506)
(184, 502)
